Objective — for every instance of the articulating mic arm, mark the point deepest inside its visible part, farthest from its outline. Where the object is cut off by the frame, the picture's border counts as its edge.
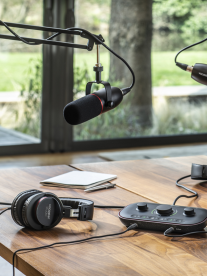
(92, 39)
(34, 41)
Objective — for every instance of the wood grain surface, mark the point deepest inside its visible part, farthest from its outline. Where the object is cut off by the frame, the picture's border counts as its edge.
(154, 179)
(80, 259)
(135, 252)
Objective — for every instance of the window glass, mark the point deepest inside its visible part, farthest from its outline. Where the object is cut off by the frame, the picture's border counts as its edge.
(165, 100)
(21, 75)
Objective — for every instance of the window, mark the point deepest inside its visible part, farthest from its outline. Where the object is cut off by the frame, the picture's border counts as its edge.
(171, 108)
(21, 77)
(164, 107)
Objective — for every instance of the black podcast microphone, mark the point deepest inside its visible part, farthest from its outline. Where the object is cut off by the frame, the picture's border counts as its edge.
(90, 106)
(101, 101)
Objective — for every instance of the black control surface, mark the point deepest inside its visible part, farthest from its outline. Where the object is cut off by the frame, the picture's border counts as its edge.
(161, 217)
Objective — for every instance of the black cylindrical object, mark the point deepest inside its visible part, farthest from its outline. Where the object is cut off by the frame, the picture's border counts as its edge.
(91, 106)
(199, 73)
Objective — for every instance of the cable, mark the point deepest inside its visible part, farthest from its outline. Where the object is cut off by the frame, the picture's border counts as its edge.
(96, 206)
(189, 47)
(110, 207)
(171, 229)
(187, 189)
(131, 227)
(98, 40)
(5, 210)
(125, 90)
(5, 203)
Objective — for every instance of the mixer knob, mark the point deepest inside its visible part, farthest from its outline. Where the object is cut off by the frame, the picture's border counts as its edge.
(142, 206)
(164, 210)
(188, 211)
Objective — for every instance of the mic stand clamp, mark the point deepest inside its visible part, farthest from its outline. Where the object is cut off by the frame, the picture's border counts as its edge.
(98, 68)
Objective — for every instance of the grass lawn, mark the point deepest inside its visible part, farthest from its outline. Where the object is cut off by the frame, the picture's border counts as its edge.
(164, 71)
(12, 69)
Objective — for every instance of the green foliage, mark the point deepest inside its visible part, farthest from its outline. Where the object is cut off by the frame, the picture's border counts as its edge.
(31, 93)
(93, 15)
(12, 69)
(164, 71)
(81, 78)
(179, 117)
(169, 118)
(180, 15)
(196, 23)
(113, 124)
(100, 2)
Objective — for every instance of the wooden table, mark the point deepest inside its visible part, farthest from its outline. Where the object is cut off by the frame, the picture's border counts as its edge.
(134, 253)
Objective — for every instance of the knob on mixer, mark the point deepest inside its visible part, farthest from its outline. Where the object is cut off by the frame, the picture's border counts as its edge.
(164, 210)
(142, 206)
(188, 211)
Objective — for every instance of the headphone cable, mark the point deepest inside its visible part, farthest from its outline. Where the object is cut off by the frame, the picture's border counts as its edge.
(109, 207)
(7, 209)
(133, 226)
(5, 203)
(96, 206)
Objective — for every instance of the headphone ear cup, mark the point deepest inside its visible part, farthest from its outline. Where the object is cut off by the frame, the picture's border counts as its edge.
(24, 210)
(17, 205)
(38, 215)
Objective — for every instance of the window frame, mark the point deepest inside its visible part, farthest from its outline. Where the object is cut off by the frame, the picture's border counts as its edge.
(56, 134)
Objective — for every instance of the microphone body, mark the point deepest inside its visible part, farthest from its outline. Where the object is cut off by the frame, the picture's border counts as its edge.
(90, 106)
(198, 71)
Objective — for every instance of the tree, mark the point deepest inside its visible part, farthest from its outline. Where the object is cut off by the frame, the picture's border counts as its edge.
(179, 15)
(130, 35)
(24, 12)
(19, 10)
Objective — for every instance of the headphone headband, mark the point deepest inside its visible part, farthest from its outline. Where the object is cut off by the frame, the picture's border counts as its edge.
(42, 210)
(77, 207)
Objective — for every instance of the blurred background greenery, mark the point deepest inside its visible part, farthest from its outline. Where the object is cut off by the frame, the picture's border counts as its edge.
(176, 23)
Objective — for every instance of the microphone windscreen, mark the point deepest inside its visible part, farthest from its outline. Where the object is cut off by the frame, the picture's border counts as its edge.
(83, 109)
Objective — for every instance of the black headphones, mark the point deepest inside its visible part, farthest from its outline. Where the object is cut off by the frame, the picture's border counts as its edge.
(39, 210)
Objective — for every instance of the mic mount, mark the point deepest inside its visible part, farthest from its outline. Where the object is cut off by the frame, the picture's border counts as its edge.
(98, 68)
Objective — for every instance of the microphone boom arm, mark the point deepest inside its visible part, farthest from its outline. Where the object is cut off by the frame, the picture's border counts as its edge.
(58, 31)
(92, 39)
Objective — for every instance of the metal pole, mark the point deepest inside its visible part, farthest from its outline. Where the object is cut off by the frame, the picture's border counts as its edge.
(98, 64)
